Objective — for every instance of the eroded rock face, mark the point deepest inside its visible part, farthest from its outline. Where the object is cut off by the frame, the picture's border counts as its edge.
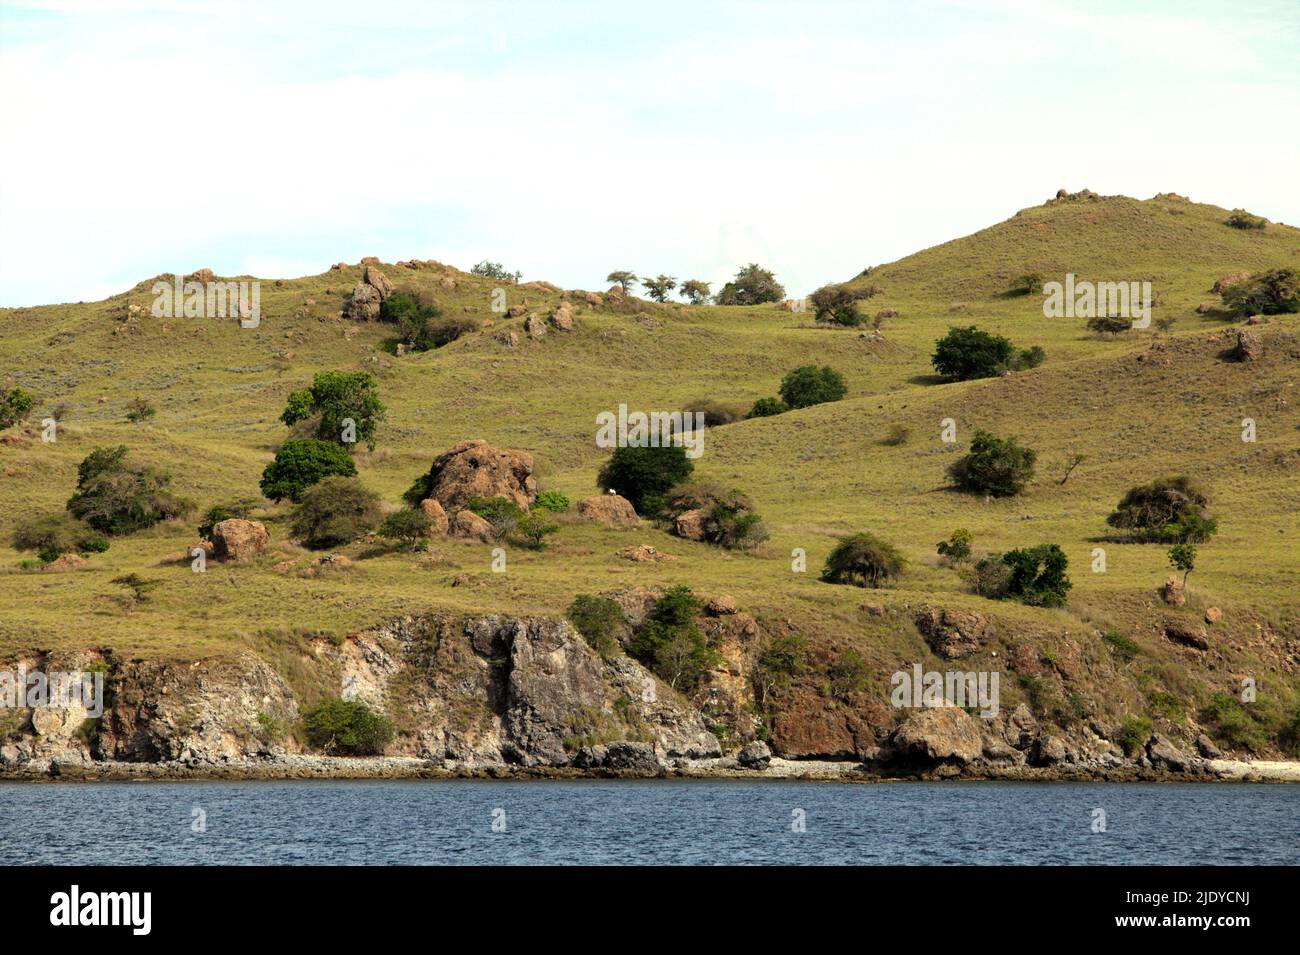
(476, 469)
(612, 510)
(952, 633)
(1189, 635)
(941, 733)
(238, 539)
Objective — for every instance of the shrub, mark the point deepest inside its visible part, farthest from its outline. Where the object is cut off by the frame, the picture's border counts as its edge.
(117, 496)
(140, 409)
(991, 578)
(599, 620)
(1276, 292)
(533, 528)
(224, 512)
(836, 304)
(1026, 284)
(300, 464)
(999, 467)
(660, 288)
(863, 560)
(1038, 575)
(1241, 219)
(348, 727)
(1229, 723)
(957, 547)
(966, 353)
(897, 434)
(644, 475)
(1134, 732)
(444, 331)
(695, 291)
(1109, 324)
(1124, 647)
(140, 587)
(411, 312)
(336, 511)
(1170, 510)
(730, 520)
(502, 513)
(848, 675)
(670, 643)
(1183, 557)
(495, 270)
(1288, 737)
(751, 286)
(1030, 357)
(715, 412)
(778, 664)
(14, 407)
(767, 407)
(552, 501)
(408, 526)
(809, 385)
(333, 398)
(56, 534)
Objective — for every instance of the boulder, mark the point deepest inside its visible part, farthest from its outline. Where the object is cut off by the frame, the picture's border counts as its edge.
(338, 267)
(1205, 308)
(755, 755)
(691, 524)
(378, 281)
(938, 734)
(721, 605)
(363, 304)
(1186, 634)
(477, 469)
(1232, 278)
(612, 510)
(202, 275)
(438, 522)
(621, 755)
(562, 317)
(952, 633)
(873, 609)
(469, 524)
(1249, 347)
(645, 554)
(370, 260)
(514, 311)
(594, 300)
(1205, 746)
(238, 539)
(1213, 614)
(535, 327)
(1172, 592)
(1165, 755)
(508, 337)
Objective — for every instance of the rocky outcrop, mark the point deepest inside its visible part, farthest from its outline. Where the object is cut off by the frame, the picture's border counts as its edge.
(938, 734)
(612, 510)
(952, 633)
(1186, 634)
(368, 295)
(239, 540)
(1172, 592)
(476, 469)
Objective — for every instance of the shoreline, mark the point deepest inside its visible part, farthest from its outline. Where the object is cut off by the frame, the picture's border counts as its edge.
(286, 768)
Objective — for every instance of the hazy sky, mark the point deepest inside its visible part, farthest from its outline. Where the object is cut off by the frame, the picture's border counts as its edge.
(569, 139)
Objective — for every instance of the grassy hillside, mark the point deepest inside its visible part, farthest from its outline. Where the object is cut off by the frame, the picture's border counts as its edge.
(813, 474)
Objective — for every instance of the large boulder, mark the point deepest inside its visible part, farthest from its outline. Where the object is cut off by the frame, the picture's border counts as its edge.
(378, 281)
(940, 734)
(238, 539)
(469, 524)
(1229, 280)
(612, 510)
(476, 469)
(691, 524)
(952, 633)
(363, 305)
(438, 523)
(1249, 346)
(562, 317)
(1165, 755)
(1172, 592)
(65, 562)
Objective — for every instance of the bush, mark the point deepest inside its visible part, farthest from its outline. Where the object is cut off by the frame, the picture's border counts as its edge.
(751, 286)
(644, 475)
(848, 675)
(413, 314)
(57, 534)
(1241, 219)
(967, 353)
(347, 727)
(670, 643)
(1171, 510)
(730, 520)
(863, 560)
(715, 412)
(444, 331)
(224, 512)
(599, 620)
(1029, 358)
(1038, 575)
(1109, 324)
(999, 467)
(1026, 284)
(408, 526)
(495, 270)
(809, 385)
(300, 464)
(1276, 292)
(898, 434)
(140, 409)
(991, 578)
(777, 666)
(533, 528)
(836, 304)
(957, 547)
(116, 496)
(1133, 733)
(336, 511)
(1124, 647)
(767, 407)
(14, 407)
(502, 513)
(1229, 723)
(333, 398)
(552, 501)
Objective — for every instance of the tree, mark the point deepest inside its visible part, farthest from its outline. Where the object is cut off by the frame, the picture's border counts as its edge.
(862, 560)
(1025, 284)
(14, 407)
(348, 727)
(1183, 557)
(336, 511)
(533, 528)
(300, 464)
(624, 280)
(56, 534)
(659, 288)
(117, 496)
(752, 285)
(767, 407)
(999, 467)
(1038, 575)
(1275, 292)
(140, 409)
(778, 665)
(1173, 510)
(644, 475)
(836, 304)
(695, 291)
(414, 315)
(495, 270)
(670, 643)
(408, 527)
(599, 620)
(957, 547)
(335, 398)
(966, 353)
(848, 675)
(809, 385)
(1241, 219)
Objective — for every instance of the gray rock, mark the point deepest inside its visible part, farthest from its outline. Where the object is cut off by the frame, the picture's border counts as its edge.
(1205, 746)
(755, 755)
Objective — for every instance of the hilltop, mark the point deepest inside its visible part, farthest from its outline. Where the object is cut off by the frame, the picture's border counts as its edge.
(1138, 406)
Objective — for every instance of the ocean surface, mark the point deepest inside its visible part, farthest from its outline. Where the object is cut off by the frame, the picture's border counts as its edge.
(647, 822)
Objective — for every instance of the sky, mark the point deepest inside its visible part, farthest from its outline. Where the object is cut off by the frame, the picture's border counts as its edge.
(570, 139)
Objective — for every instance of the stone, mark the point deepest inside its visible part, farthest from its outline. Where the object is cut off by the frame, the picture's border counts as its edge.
(1164, 754)
(594, 300)
(202, 275)
(378, 281)
(535, 327)
(469, 524)
(370, 260)
(691, 524)
(238, 539)
(721, 605)
(1213, 615)
(363, 304)
(1187, 635)
(438, 522)
(562, 317)
(1172, 592)
(873, 609)
(1249, 346)
(508, 337)
(1205, 746)
(952, 633)
(612, 510)
(477, 469)
(755, 755)
(645, 554)
(942, 733)
(1229, 280)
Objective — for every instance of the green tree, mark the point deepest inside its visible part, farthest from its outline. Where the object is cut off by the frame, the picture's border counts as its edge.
(753, 285)
(414, 315)
(599, 620)
(767, 407)
(836, 304)
(644, 475)
(533, 528)
(670, 643)
(1038, 575)
(1275, 292)
(347, 727)
(300, 464)
(495, 270)
(408, 527)
(1171, 509)
(1026, 284)
(957, 547)
(1183, 557)
(336, 511)
(14, 407)
(966, 353)
(336, 398)
(863, 560)
(695, 291)
(660, 288)
(117, 496)
(999, 467)
(624, 280)
(809, 385)
(848, 675)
